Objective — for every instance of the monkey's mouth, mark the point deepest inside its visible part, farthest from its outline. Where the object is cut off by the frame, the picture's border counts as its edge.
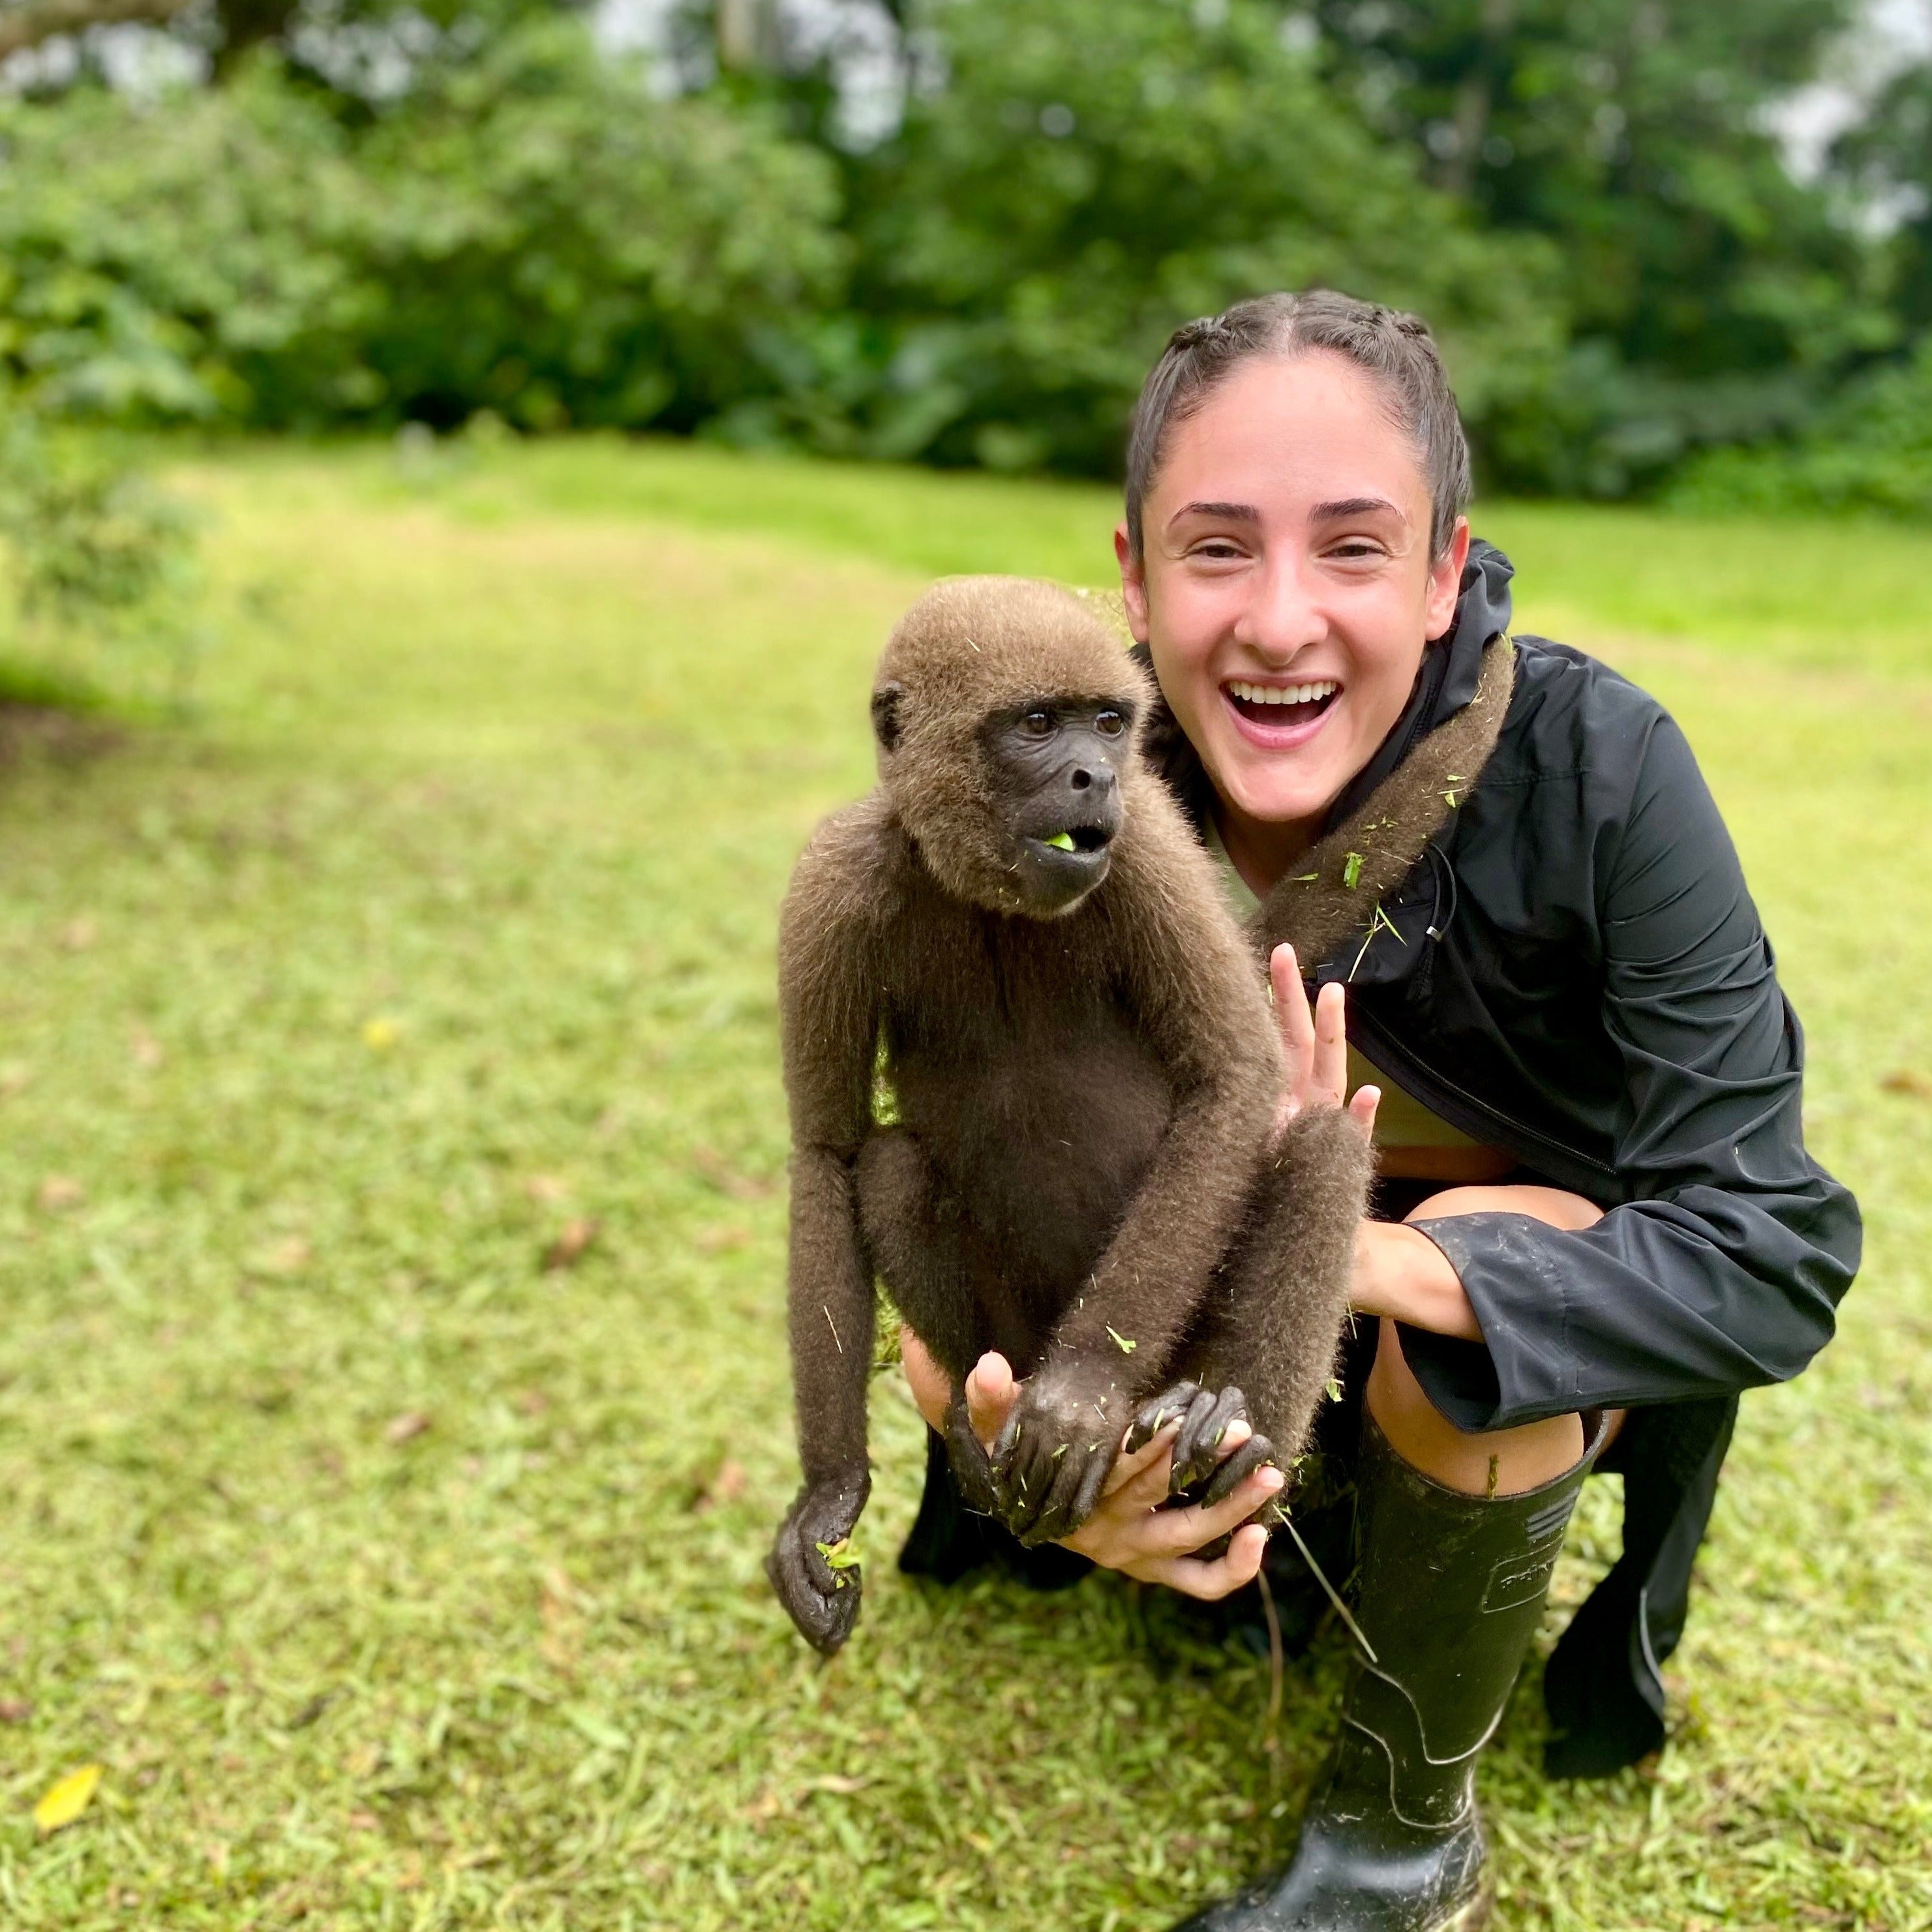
(1077, 840)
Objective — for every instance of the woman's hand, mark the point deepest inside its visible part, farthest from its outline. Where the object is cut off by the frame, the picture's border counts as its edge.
(1314, 1047)
(1399, 1272)
(1128, 1530)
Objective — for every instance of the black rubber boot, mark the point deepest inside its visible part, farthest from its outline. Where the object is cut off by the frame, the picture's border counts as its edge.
(1451, 1589)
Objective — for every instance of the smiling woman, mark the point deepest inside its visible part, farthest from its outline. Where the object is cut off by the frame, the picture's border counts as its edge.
(1551, 964)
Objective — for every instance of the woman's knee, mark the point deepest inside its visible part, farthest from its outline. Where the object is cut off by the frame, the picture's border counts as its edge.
(1499, 1462)
(1556, 1206)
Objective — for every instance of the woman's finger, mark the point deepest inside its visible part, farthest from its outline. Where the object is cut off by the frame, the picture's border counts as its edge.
(1211, 1579)
(932, 1388)
(991, 1393)
(1328, 1075)
(1292, 1016)
(1147, 1472)
(1362, 1105)
(1181, 1532)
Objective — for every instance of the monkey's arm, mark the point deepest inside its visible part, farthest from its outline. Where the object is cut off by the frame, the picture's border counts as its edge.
(828, 997)
(1190, 984)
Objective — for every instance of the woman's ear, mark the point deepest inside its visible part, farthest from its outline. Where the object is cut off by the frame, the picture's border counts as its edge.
(1445, 581)
(1133, 584)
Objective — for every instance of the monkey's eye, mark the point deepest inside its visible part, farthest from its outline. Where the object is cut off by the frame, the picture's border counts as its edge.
(1110, 723)
(1037, 723)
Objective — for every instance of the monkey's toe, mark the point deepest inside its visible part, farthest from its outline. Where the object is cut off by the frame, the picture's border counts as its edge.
(1171, 1405)
(1197, 1448)
(1254, 1453)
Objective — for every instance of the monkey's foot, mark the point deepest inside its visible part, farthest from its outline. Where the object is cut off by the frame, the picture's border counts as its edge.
(1201, 1474)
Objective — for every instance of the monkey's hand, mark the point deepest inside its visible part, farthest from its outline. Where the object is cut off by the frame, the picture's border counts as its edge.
(1050, 1460)
(972, 1469)
(807, 1566)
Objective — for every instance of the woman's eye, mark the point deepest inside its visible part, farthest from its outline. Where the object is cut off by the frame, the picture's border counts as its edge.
(1110, 722)
(1036, 724)
(1352, 550)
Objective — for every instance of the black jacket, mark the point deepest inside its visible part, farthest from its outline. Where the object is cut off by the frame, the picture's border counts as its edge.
(1577, 975)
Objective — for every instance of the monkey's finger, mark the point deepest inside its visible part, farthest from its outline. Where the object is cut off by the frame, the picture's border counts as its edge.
(1078, 1473)
(1021, 1476)
(971, 1469)
(1168, 1408)
(1092, 1486)
(1258, 1452)
(1197, 1449)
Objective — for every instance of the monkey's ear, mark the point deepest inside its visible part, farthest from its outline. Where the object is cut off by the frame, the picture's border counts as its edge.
(886, 715)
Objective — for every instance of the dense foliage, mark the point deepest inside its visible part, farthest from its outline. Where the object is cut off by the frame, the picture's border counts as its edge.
(365, 216)
(535, 235)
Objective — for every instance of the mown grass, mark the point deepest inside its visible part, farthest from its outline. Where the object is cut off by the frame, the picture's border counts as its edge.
(398, 1580)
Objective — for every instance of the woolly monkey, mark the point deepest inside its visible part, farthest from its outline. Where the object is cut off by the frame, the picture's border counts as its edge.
(1018, 931)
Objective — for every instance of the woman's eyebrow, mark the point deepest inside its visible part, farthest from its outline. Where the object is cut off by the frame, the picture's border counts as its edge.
(1352, 506)
(1226, 513)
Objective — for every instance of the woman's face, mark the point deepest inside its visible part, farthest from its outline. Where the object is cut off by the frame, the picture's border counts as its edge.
(1286, 585)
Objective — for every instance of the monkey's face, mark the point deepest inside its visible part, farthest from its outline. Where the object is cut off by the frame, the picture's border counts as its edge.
(1004, 712)
(1057, 764)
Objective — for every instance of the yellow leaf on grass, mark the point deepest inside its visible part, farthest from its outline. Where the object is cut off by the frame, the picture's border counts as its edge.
(66, 1801)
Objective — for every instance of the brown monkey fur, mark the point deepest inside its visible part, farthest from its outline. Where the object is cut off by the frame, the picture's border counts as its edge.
(1084, 1173)
(1316, 908)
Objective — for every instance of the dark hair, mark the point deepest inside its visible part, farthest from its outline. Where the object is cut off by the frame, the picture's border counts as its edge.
(1397, 349)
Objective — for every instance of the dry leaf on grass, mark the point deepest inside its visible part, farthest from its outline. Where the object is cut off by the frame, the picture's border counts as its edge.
(723, 1240)
(714, 1167)
(59, 1191)
(726, 1484)
(548, 1188)
(63, 1803)
(406, 1427)
(78, 935)
(15, 1710)
(145, 1049)
(568, 1249)
(1908, 1080)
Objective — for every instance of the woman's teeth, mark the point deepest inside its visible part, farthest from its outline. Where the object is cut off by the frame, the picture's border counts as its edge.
(1283, 693)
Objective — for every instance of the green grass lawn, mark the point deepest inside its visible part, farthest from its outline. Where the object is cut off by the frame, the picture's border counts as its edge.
(397, 1580)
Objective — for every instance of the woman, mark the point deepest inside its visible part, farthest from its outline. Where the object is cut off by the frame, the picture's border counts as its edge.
(1601, 1223)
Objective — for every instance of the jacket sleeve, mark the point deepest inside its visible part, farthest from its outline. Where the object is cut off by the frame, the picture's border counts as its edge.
(1724, 1267)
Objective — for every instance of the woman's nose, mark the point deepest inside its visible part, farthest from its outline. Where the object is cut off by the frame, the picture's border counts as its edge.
(1284, 616)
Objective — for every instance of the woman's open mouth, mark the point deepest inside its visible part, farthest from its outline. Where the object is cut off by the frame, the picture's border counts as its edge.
(1281, 714)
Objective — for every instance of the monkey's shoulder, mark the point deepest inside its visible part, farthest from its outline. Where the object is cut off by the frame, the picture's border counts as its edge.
(848, 877)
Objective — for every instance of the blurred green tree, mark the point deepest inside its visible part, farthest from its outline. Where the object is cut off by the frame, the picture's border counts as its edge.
(530, 230)
(1711, 296)
(1068, 183)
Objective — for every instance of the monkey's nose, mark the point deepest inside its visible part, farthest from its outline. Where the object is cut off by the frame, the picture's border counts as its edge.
(1092, 779)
